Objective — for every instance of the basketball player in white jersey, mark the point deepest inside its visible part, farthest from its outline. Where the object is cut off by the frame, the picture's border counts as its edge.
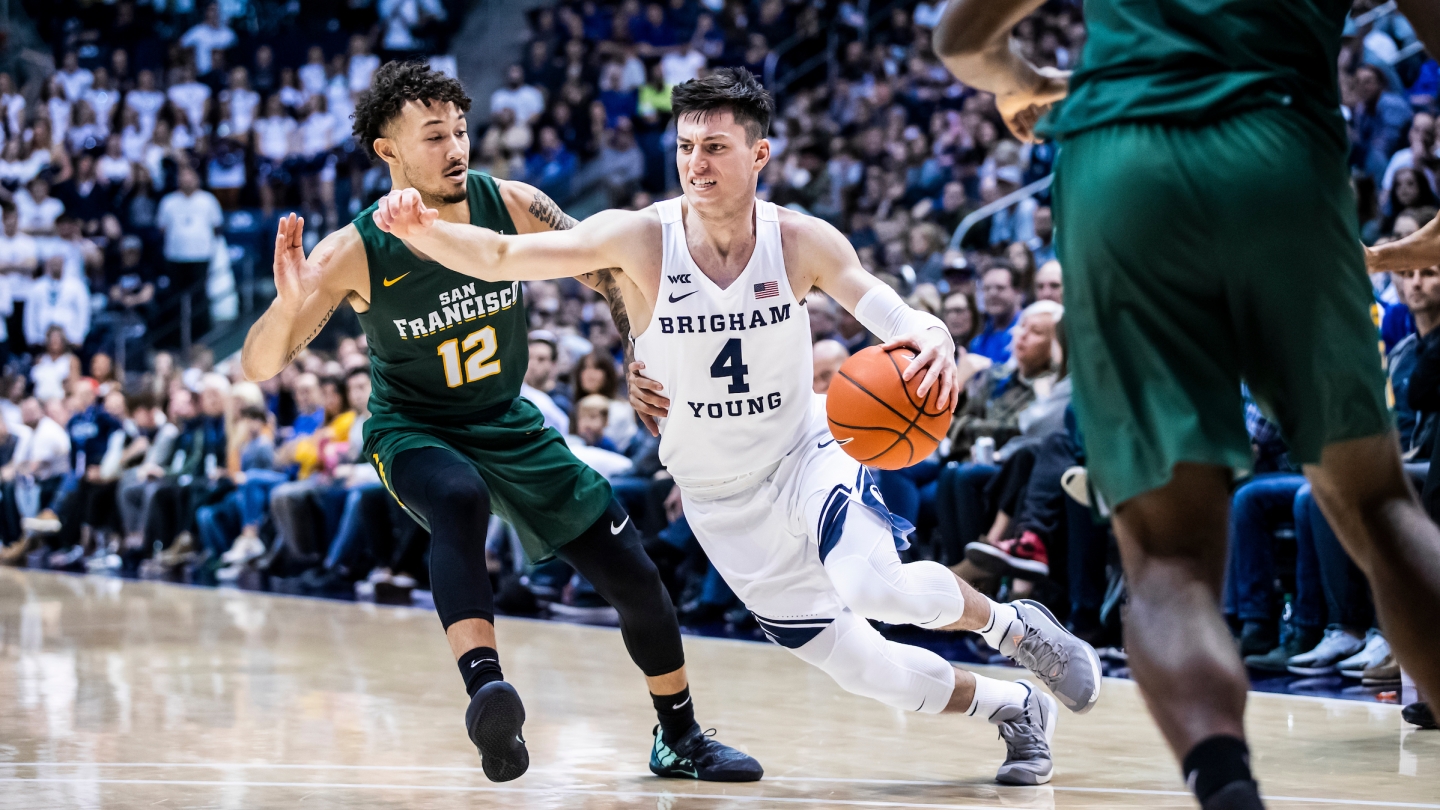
(714, 284)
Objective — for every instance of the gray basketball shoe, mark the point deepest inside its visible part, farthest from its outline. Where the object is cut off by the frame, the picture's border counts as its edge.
(1064, 663)
(1027, 731)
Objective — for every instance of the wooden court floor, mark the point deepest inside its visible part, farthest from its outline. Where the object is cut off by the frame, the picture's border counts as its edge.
(119, 694)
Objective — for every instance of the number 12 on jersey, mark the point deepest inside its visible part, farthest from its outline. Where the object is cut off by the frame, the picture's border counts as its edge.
(476, 365)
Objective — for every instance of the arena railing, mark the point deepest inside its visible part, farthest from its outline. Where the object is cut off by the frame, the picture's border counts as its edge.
(986, 211)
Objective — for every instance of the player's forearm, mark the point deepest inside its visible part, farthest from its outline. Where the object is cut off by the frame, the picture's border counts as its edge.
(973, 40)
(267, 348)
(1414, 252)
(468, 249)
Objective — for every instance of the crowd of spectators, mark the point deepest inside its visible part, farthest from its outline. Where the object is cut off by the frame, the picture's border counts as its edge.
(120, 169)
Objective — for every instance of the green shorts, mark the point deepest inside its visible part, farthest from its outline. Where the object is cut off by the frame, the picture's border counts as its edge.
(1198, 257)
(536, 484)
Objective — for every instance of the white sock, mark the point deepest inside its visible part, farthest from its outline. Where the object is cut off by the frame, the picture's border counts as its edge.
(1001, 617)
(992, 695)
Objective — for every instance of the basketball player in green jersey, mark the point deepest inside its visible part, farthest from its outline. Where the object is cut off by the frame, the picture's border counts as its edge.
(1209, 235)
(449, 434)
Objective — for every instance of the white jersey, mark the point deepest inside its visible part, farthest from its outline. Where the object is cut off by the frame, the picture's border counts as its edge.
(736, 363)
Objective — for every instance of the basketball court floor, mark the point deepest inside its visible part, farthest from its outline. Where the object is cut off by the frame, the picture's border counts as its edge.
(119, 694)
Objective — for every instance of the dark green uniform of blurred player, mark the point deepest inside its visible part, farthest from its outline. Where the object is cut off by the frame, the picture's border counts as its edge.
(1208, 235)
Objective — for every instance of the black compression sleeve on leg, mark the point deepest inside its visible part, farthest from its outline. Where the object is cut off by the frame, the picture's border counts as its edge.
(447, 491)
(610, 555)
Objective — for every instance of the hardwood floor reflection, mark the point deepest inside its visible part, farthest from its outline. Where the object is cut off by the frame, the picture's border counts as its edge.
(120, 694)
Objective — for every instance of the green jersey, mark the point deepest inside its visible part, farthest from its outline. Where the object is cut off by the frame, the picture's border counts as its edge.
(1190, 62)
(444, 346)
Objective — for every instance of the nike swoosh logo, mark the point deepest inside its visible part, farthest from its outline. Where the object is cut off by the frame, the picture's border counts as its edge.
(474, 664)
(825, 444)
(616, 529)
(674, 300)
(680, 704)
(390, 281)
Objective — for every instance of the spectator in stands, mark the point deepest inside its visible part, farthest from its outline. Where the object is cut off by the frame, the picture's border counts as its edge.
(592, 417)
(1418, 155)
(829, 356)
(1000, 289)
(1042, 245)
(207, 37)
(190, 219)
(1411, 190)
(1377, 121)
(1049, 283)
(38, 210)
(56, 301)
(551, 167)
(990, 408)
(539, 386)
(959, 314)
(597, 374)
(525, 101)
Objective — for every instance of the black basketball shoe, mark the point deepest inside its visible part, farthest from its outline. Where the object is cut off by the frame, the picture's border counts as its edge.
(698, 755)
(494, 720)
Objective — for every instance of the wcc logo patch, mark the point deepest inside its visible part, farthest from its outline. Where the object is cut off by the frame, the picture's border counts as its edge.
(680, 279)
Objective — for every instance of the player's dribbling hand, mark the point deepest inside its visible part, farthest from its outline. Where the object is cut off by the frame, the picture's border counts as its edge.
(1022, 109)
(645, 397)
(935, 358)
(402, 214)
(295, 278)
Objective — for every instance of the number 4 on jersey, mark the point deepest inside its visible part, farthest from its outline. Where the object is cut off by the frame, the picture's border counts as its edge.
(476, 367)
(729, 364)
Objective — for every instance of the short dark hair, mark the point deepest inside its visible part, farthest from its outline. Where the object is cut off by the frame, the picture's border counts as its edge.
(394, 84)
(1017, 278)
(735, 90)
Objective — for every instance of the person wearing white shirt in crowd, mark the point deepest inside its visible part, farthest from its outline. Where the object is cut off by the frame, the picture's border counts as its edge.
(338, 98)
(207, 37)
(363, 64)
(82, 256)
(402, 17)
(102, 98)
(12, 103)
(15, 170)
(244, 102)
(189, 95)
(145, 100)
(7, 306)
(45, 453)
(55, 300)
(38, 210)
(57, 107)
(682, 65)
(74, 79)
(290, 93)
(190, 218)
(113, 167)
(19, 256)
(317, 163)
(274, 144)
(312, 73)
(85, 131)
(526, 101)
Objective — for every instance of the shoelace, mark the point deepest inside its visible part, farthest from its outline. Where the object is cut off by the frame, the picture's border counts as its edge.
(704, 747)
(1023, 740)
(1041, 655)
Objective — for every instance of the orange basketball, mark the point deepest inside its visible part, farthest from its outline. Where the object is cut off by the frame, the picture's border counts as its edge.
(877, 417)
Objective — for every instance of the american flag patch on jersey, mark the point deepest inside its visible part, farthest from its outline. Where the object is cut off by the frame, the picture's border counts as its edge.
(769, 289)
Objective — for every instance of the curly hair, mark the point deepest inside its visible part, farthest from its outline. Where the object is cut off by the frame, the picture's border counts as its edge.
(394, 84)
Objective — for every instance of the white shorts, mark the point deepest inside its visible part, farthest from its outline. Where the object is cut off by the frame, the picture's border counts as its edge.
(769, 540)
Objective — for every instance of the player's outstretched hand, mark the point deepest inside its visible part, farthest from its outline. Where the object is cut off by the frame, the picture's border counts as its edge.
(295, 278)
(402, 214)
(935, 358)
(645, 397)
(1022, 109)
(1418, 250)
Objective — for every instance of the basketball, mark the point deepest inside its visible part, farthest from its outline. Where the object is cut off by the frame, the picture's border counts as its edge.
(877, 417)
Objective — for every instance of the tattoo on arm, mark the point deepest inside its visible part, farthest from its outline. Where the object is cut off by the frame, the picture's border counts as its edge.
(544, 209)
(299, 347)
(604, 281)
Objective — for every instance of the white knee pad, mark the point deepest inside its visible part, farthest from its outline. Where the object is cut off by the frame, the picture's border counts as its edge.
(864, 663)
(866, 570)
